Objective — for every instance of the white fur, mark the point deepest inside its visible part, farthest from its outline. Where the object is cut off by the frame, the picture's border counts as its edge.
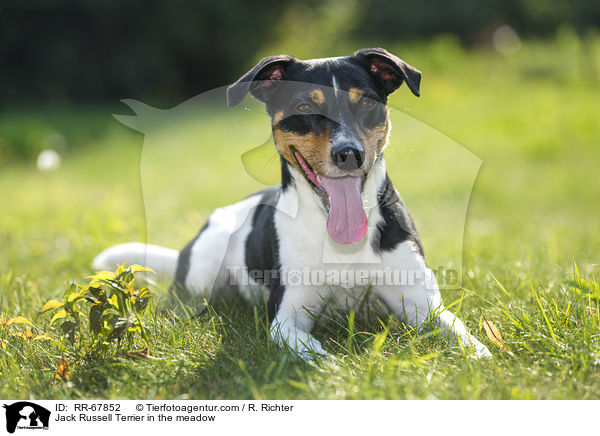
(162, 260)
(336, 88)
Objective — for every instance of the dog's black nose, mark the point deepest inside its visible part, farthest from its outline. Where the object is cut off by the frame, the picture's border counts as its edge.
(348, 156)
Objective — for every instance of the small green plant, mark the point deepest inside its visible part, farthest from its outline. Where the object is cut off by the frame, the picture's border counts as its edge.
(106, 315)
(26, 330)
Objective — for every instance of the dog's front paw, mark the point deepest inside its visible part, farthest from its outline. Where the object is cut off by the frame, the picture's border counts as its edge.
(299, 342)
(479, 351)
(312, 351)
(310, 355)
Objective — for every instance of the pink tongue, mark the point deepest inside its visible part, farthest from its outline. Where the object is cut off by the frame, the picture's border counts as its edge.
(347, 220)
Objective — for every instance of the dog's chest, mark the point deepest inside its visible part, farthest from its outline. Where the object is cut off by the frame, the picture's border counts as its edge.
(301, 226)
(345, 273)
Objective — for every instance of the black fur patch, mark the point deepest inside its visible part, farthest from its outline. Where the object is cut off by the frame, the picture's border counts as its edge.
(286, 177)
(183, 268)
(305, 124)
(262, 248)
(397, 225)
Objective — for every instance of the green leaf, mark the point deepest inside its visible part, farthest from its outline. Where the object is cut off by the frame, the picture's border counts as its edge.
(59, 315)
(114, 301)
(75, 296)
(52, 304)
(96, 318)
(138, 268)
(143, 292)
(43, 337)
(68, 329)
(71, 289)
(97, 293)
(120, 326)
(102, 275)
(116, 285)
(18, 320)
(141, 303)
(121, 303)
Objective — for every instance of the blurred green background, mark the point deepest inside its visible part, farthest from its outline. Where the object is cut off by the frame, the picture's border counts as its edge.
(514, 82)
(163, 52)
(61, 54)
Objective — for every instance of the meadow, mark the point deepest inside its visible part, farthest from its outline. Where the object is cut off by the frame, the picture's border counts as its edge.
(528, 255)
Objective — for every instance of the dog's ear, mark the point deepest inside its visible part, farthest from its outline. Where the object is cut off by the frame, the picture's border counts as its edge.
(389, 70)
(261, 80)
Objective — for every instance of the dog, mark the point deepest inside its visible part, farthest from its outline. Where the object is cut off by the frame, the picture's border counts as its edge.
(335, 210)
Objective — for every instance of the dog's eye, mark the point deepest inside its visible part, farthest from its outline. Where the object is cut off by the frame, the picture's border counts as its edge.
(305, 108)
(366, 103)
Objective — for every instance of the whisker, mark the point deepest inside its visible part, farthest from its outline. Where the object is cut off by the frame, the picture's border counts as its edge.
(269, 161)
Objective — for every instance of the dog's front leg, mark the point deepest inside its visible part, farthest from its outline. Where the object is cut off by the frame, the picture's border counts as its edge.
(450, 322)
(294, 320)
(420, 305)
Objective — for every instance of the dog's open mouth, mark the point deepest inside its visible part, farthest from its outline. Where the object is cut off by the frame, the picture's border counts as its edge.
(346, 220)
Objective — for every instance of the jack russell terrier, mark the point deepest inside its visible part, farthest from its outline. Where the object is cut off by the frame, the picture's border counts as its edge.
(335, 211)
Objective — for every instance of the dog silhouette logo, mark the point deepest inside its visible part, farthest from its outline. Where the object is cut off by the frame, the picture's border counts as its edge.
(26, 415)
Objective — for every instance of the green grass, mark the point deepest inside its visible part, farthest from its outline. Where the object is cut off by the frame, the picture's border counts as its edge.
(533, 212)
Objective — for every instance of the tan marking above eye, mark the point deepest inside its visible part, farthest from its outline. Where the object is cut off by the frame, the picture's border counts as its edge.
(317, 96)
(277, 117)
(355, 95)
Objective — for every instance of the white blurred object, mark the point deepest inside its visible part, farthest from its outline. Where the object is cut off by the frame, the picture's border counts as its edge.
(48, 160)
(505, 40)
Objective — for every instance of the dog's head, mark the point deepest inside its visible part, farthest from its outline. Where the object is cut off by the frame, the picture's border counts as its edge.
(330, 122)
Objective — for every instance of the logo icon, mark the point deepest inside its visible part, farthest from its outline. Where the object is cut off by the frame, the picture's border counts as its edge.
(26, 415)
